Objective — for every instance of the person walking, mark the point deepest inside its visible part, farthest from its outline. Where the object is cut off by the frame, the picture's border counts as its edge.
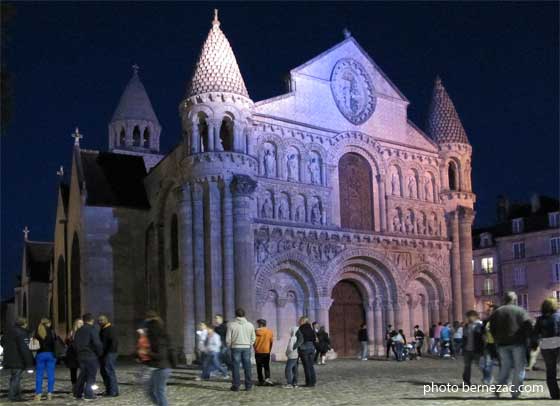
(220, 327)
(364, 342)
(109, 356)
(17, 357)
(323, 344)
(45, 359)
(445, 341)
(490, 353)
(437, 339)
(71, 358)
(547, 332)
(89, 349)
(161, 359)
(263, 347)
(432, 342)
(291, 370)
(316, 327)
(457, 338)
(419, 339)
(212, 362)
(472, 342)
(201, 335)
(240, 338)
(511, 327)
(389, 332)
(305, 344)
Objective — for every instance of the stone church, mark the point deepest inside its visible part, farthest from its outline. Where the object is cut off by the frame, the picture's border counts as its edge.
(324, 201)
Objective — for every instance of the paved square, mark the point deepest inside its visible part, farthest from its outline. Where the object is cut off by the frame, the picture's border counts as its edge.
(341, 382)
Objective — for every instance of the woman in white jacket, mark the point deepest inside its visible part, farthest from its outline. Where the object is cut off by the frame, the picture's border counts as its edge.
(292, 363)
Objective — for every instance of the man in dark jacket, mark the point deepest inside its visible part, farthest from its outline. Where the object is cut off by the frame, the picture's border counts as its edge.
(108, 359)
(472, 343)
(17, 357)
(511, 328)
(89, 349)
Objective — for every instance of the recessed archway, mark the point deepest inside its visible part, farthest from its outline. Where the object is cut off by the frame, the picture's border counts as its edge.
(356, 192)
(346, 315)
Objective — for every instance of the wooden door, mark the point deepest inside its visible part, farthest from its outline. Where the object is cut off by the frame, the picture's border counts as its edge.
(346, 315)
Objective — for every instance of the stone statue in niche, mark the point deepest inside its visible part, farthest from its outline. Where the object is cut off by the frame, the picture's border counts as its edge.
(300, 212)
(316, 217)
(292, 165)
(432, 224)
(266, 211)
(315, 171)
(409, 223)
(412, 187)
(397, 223)
(428, 189)
(395, 184)
(262, 251)
(283, 209)
(269, 163)
(421, 224)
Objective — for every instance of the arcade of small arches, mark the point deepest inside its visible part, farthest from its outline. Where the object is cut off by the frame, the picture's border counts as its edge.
(355, 290)
(128, 134)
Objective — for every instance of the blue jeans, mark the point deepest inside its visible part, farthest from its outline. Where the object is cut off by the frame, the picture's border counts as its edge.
(512, 357)
(398, 350)
(487, 363)
(86, 378)
(291, 371)
(364, 350)
(45, 361)
(14, 391)
(107, 369)
(157, 386)
(306, 353)
(212, 363)
(241, 356)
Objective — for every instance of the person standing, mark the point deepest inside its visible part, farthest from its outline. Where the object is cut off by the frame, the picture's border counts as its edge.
(323, 344)
(89, 349)
(458, 338)
(71, 359)
(291, 370)
(263, 347)
(419, 339)
(490, 353)
(316, 327)
(108, 359)
(305, 344)
(240, 338)
(389, 340)
(17, 357)
(398, 344)
(437, 338)
(364, 342)
(161, 359)
(511, 327)
(432, 343)
(547, 331)
(445, 341)
(45, 359)
(472, 342)
(220, 327)
(212, 356)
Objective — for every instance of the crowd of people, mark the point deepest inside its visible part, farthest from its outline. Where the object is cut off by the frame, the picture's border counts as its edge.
(507, 337)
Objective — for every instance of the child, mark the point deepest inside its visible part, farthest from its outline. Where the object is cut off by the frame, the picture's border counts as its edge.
(291, 370)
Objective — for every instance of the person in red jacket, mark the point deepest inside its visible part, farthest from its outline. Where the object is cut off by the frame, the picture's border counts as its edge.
(263, 347)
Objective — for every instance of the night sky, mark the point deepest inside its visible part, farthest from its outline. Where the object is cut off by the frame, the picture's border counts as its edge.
(70, 62)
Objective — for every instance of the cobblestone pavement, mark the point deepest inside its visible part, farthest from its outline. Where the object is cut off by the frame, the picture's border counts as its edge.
(340, 382)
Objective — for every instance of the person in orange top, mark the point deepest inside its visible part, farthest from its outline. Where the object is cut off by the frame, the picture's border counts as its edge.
(263, 347)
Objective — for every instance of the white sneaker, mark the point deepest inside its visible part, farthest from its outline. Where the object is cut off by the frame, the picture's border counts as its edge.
(268, 381)
(287, 387)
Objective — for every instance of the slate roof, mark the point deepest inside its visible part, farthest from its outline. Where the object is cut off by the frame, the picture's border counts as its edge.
(114, 180)
(444, 124)
(216, 69)
(135, 103)
(39, 259)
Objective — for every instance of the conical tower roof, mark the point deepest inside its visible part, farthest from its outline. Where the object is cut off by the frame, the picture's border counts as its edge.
(216, 69)
(444, 124)
(135, 103)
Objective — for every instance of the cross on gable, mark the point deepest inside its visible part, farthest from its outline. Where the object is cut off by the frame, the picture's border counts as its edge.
(25, 232)
(135, 69)
(77, 136)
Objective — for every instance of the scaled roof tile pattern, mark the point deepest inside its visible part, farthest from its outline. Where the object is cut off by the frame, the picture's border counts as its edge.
(216, 69)
(444, 124)
(135, 103)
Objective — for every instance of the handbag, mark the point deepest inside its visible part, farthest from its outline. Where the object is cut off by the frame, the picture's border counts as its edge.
(34, 344)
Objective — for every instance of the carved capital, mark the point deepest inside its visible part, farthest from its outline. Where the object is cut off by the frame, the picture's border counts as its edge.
(243, 185)
(182, 193)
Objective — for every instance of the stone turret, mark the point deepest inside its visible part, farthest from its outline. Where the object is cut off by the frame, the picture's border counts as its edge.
(446, 129)
(134, 126)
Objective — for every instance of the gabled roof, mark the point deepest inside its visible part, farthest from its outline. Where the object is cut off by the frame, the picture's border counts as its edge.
(135, 103)
(366, 55)
(444, 124)
(39, 258)
(115, 180)
(216, 69)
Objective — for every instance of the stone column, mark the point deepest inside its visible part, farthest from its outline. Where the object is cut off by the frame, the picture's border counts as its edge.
(186, 265)
(243, 187)
(322, 311)
(398, 316)
(198, 252)
(378, 328)
(466, 216)
(434, 309)
(216, 126)
(238, 137)
(443, 176)
(382, 203)
(214, 251)
(368, 309)
(334, 205)
(229, 282)
(456, 266)
(389, 314)
(195, 138)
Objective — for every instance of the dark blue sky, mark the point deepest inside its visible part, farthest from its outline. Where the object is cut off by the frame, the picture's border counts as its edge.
(71, 61)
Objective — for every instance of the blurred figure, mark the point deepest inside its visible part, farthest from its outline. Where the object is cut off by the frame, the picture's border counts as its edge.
(490, 350)
(220, 327)
(457, 338)
(71, 359)
(45, 359)
(201, 335)
(445, 341)
(419, 339)
(263, 347)
(323, 344)
(398, 344)
(547, 331)
(432, 336)
(212, 356)
(364, 342)
(291, 370)
(89, 349)
(472, 344)
(108, 359)
(437, 338)
(17, 357)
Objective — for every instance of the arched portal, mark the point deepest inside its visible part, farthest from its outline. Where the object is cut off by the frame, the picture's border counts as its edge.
(346, 315)
(356, 194)
(75, 279)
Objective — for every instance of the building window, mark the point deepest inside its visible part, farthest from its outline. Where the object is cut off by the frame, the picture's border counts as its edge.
(554, 219)
(518, 250)
(122, 138)
(136, 137)
(524, 301)
(517, 225)
(556, 272)
(174, 242)
(488, 289)
(488, 264)
(555, 245)
(146, 140)
(452, 175)
(484, 241)
(519, 276)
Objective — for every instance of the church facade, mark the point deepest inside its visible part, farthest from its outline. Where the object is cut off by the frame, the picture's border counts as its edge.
(325, 201)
